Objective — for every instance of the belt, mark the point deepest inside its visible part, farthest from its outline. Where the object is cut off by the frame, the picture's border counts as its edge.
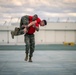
(29, 34)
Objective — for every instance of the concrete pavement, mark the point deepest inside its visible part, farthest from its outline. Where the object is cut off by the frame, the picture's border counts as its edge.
(44, 63)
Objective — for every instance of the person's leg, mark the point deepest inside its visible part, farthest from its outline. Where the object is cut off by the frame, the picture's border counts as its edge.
(24, 21)
(32, 47)
(19, 31)
(15, 32)
(27, 46)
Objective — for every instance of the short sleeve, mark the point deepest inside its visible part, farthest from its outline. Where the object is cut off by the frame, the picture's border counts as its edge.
(38, 20)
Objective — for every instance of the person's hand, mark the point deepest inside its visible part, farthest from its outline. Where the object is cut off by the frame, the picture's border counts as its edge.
(26, 26)
(25, 30)
(23, 25)
(34, 26)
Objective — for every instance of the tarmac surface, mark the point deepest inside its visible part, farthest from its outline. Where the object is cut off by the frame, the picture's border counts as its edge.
(46, 62)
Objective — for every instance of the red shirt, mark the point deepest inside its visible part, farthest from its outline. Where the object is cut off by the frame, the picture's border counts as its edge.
(38, 19)
(30, 18)
(32, 29)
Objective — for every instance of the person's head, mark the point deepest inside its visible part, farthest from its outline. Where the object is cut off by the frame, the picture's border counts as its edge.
(43, 23)
(35, 17)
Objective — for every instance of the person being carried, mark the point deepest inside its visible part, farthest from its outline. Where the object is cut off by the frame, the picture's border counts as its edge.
(25, 23)
(25, 20)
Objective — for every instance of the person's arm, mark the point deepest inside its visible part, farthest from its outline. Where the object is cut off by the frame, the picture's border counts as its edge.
(30, 24)
(36, 26)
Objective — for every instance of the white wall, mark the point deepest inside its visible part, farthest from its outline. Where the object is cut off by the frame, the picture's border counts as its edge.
(60, 36)
(3, 36)
(55, 33)
(70, 36)
(56, 37)
(60, 26)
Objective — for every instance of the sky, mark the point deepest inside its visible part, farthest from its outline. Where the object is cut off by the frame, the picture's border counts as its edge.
(51, 10)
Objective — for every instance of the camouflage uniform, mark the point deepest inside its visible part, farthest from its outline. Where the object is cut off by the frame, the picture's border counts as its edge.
(24, 21)
(30, 44)
(29, 38)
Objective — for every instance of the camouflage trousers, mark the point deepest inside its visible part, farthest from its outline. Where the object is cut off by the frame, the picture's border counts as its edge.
(24, 21)
(30, 44)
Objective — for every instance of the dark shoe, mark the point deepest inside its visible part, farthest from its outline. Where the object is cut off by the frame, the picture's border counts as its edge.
(30, 59)
(26, 58)
(12, 34)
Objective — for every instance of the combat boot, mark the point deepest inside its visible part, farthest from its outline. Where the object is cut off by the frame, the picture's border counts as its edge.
(30, 59)
(26, 58)
(12, 34)
(16, 31)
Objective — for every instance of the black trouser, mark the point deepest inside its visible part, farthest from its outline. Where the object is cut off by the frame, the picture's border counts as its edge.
(30, 44)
